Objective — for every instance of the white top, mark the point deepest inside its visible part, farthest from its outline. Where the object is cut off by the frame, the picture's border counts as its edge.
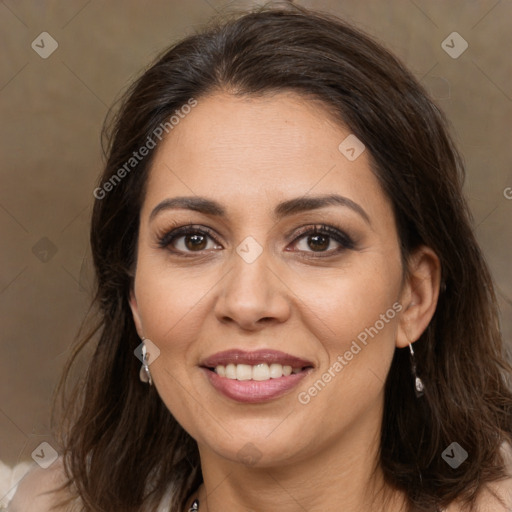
(26, 481)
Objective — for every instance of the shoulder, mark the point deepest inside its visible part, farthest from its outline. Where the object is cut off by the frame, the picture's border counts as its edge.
(34, 492)
(496, 496)
(501, 489)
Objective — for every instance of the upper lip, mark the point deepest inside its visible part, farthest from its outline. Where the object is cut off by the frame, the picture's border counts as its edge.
(236, 356)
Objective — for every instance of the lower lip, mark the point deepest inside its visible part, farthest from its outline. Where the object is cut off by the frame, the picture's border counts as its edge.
(254, 391)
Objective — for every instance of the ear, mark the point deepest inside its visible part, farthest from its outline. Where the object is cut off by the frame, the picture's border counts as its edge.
(419, 295)
(135, 313)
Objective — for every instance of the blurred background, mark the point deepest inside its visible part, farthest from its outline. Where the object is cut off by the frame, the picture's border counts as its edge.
(65, 63)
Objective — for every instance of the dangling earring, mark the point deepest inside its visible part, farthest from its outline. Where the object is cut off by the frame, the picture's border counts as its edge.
(144, 373)
(419, 387)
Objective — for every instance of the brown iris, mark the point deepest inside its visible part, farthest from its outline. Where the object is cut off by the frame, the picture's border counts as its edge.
(321, 242)
(193, 242)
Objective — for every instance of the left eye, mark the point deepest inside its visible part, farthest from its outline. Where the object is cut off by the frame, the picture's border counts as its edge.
(316, 242)
(319, 239)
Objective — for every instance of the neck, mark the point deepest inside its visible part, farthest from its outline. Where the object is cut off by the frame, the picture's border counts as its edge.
(344, 475)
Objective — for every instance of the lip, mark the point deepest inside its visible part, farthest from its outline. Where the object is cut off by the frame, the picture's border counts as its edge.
(251, 391)
(236, 356)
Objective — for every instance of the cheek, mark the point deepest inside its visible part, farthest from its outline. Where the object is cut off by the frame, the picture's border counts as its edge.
(349, 303)
(172, 308)
(355, 318)
(167, 300)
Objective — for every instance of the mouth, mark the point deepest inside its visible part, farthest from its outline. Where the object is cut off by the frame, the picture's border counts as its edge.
(257, 376)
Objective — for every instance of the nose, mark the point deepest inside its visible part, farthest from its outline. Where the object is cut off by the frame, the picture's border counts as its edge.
(252, 295)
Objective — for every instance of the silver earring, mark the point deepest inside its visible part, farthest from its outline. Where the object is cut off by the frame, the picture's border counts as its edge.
(419, 387)
(144, 373)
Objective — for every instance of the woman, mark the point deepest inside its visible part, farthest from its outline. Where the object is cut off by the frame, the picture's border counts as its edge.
(280, 236)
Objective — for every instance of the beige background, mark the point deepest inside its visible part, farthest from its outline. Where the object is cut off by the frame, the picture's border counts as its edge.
(53, 109)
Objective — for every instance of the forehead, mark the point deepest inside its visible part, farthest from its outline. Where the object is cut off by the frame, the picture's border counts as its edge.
(255, 150)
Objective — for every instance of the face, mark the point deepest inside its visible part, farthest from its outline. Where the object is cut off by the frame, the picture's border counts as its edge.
(258, 263)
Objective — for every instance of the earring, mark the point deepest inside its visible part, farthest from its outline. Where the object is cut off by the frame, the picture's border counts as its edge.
(144, 373)
(419, 387)
(194, 506)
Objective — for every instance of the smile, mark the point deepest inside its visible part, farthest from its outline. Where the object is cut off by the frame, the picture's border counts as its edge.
(252, 377)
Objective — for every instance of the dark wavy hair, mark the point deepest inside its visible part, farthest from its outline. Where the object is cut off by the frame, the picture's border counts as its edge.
(122, 447)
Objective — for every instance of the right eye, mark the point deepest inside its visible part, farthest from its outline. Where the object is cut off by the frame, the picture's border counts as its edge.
(187, 239)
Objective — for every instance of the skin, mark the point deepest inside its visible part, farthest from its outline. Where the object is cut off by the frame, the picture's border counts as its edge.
(249, 154)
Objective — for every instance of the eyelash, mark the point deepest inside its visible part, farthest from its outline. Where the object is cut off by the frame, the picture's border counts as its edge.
(345, 241)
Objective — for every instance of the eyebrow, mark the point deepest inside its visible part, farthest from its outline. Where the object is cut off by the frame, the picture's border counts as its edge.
(284, 209)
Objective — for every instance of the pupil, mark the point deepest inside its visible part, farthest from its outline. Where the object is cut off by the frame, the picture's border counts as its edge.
(196, 241)
(321, 246)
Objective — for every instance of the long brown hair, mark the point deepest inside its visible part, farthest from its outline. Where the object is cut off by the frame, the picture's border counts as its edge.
(123, 447)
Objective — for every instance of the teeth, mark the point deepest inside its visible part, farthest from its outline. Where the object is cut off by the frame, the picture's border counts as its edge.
(260, 372)
(231, 371)
(257, 372)
(276, 371)
(243, 372)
